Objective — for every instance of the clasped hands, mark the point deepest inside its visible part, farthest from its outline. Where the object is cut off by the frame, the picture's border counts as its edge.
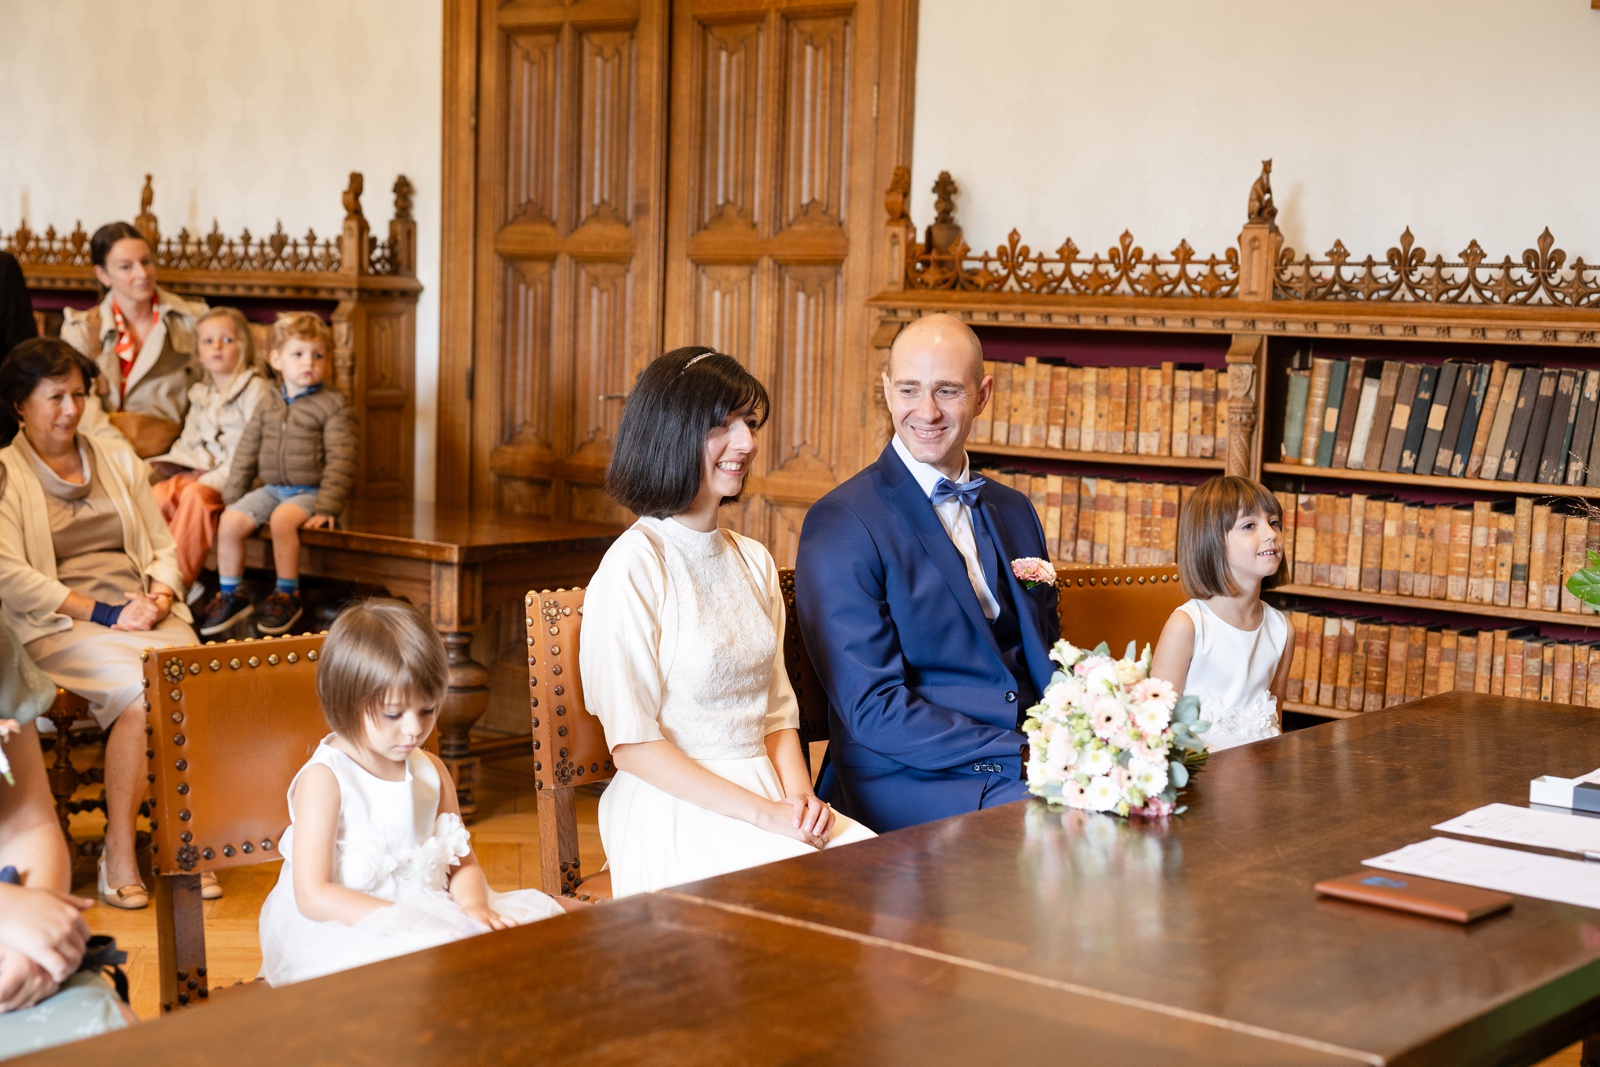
(42, 940)
(143, 611)
(804, 817)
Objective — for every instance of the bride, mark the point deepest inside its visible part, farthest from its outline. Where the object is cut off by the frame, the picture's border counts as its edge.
(682, 651)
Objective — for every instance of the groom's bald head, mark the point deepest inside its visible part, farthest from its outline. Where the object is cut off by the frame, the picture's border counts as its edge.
(945, 333)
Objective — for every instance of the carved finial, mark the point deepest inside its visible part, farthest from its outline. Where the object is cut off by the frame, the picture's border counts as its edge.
(1261, 207)
(352, 196)
(943, 233)
(147, 196)
(898, 196)
(402, 198)
(145, 222)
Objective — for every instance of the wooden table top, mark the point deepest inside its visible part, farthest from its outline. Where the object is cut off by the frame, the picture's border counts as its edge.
(663, 980)
(1214, 913)
(420, 530)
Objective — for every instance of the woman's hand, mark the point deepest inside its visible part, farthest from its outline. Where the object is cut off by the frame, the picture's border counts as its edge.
(783, 817)
(487, 916)
(23, 983)
(811, 814)
(44, 926)
(142, 612)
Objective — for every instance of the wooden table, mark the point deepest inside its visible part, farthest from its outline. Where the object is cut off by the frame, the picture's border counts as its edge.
(1213, 913)
(667, 981)
(450, 562)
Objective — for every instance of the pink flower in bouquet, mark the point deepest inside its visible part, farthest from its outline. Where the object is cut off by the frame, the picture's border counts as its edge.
(1106, 717)
(1032, 571)
(1155, 808)
(1156, 689)
(1073, 793)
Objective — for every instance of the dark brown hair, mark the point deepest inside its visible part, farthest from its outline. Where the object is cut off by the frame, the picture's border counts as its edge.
(30, 363)
(1210, 513)
(656, 465)
(377, 647)
(107, 236)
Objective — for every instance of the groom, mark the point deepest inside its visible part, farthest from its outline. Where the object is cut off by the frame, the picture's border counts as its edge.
(929, 647)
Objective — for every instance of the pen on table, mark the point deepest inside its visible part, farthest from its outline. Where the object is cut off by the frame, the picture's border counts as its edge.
(1591, 856)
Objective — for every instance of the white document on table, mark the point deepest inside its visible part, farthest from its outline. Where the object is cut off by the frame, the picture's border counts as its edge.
(1528, 826)
(1508, 870)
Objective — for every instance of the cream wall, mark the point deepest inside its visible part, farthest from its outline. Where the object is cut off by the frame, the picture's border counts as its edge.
(246, 111)
(1459, 118)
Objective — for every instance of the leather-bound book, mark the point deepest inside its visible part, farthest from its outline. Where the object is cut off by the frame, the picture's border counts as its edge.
(1356, 541)
(1460, 566)
(1491, 400)
(1480, 575)
(1294, 414)
(1144, 387)
(1339, 545)
(1056, 418)
(1573, 555)
(1580, 673)
(1471, 417)
(1512, 678)
(1538, 540)
(1430, 660)
(1180, 411)
(1171, 509)
(1399, 417)
(1422, 563)
(1286, 503)
(1001, 403)
(1552, 469)
(1504, 534)
(1416, 661)
(1449, 644)
(1208, 412)
(1330, 414)
(1521, 551)
(1394, 685)
(1305, 542)
(1394, 513)
(1467, 662)
(1040, 423)
(1051, 521)
(1295, 687)
(1102, 409)
(1421, 896)
(1330, 661)
(1158, 410)
(983, 423)
(1088, 519)
(1067, 545)
(1117, 528)
(1072, 422)
(1322, 563)
(1428, 448)
(1409, 522)
(1417, 423)
(1443, 520)
(1316, 405)
(1532, 669)
(1383, 415)
(1038, 489)
(1117, 417)
(1366, 416)
(1024, 380)
(1377, 680)
(1583, 429)
(1349, 408)
(1092, 434)
(1497, 662)
(1528, 426)
(1561, 674)
(1313, 669)
(1357, 697)
(1372, 544)
(1347, 652)
(1169, 374)
(1442, 449)
(1555, 547)
(1505, 410)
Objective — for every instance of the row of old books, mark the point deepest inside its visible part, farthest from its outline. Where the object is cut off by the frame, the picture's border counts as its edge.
(1103, 521)
(1515, 553)
(1168, 410)
(1357, 664)
(1458, 419)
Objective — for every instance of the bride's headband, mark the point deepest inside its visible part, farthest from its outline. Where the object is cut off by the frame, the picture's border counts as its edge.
(697, 359)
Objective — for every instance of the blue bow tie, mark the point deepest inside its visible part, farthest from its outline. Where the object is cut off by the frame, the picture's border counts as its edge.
(944, 490)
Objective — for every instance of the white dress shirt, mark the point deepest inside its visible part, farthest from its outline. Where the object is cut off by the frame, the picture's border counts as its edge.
(957, 520)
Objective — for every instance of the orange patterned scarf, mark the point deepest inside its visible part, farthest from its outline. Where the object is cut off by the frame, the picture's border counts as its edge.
(126, 352)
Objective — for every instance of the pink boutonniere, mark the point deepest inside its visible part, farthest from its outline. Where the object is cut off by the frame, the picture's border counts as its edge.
(1032, 571)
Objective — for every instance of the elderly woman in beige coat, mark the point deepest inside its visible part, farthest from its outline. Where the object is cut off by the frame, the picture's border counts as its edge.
(141, 337)
(88, 573)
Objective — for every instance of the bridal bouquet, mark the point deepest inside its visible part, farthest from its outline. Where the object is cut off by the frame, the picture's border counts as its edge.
(1108, 737)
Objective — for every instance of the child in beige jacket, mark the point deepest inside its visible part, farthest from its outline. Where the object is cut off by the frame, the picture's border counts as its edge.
(196, 469)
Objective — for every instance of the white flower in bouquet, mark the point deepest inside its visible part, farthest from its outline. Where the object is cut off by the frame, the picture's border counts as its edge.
(1102, 794)
(1148, 778)
(1096, 761)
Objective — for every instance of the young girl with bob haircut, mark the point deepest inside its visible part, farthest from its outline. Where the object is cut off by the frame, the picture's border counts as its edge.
(1225, 645)
(376, 860)
(682, 650)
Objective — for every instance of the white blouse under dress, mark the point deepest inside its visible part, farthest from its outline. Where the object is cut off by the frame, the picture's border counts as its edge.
(1231, 672)
(683, 642)
(393, 843)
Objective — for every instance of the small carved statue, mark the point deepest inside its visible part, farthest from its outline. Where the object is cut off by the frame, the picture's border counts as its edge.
(352, 196)
(402, 197)
(147, 196)
(1261, 208)
(899, 194)
(145, 222)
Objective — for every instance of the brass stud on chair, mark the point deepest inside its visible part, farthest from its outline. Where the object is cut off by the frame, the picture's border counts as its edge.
(272, 660)
(293, 657)
(312, 655)
(254, 661)
(215, 665)
(194, 668)
(233, 664)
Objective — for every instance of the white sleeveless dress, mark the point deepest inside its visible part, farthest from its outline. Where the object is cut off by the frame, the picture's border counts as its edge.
(683, 642)
(1231, 672)
(392, 843)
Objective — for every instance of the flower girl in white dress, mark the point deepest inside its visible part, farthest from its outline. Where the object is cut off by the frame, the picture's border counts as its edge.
(682, 651)
(376, 862)
(1226, 646)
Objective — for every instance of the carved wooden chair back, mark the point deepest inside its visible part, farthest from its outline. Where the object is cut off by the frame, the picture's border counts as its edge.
(569, 744)
(808, 690)
(1117, 604)
(231, 724)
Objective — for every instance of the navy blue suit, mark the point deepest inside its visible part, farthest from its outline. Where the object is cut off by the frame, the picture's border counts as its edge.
(923, 701)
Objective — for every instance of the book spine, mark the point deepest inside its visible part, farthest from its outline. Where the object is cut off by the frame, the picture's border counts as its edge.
(1316, 403)
(1330, 416)
(1393, 522)
(1504, 535)
(1349, 408)
(1480, 581)
(1438, 409)
(1355, 543)
(1505, 411)
(983, 422)
(1439, 578)
(1072, 419)
(1521, 552)
(1470, 421)
(1040, 428)
(1180, 413)
(1208, 413)
(1491, 401)
(1305, 545)
(1322, 565)
(1340, 547)
(1372, 546)
(1399, 417)
(1420, 409)
(1346, 667)
(1164, 416)
(1293, 690)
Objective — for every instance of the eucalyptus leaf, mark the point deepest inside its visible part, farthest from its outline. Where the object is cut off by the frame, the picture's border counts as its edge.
(1102, 649)
(1178, 773)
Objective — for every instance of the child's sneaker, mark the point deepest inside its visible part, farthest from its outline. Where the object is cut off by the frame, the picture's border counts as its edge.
(281, 611)
(223, 611)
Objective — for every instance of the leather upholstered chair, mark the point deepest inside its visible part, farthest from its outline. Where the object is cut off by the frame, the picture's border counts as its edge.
(808, 690)
(569, 744)
(1117, 604)
(230, 725)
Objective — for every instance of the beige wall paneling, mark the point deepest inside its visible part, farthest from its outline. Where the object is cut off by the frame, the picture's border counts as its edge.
(775, 142)
(571, 104)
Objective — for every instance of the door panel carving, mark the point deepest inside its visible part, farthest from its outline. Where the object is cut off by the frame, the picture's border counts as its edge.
(816, 119)
(533, 72)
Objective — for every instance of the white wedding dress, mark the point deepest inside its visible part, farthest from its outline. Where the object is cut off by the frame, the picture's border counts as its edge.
(1231, 672)
(683, 642)
(393, 843)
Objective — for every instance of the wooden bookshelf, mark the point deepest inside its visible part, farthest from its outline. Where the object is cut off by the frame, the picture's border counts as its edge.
(1122, 458)
(1430, 481)
(1318, 710)
(1379, 600)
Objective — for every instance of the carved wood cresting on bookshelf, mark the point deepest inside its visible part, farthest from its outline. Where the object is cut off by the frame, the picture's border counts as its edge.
(371, 284)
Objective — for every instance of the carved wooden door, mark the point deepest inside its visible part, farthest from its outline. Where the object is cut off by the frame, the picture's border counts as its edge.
(570, 132)
(778, 165)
